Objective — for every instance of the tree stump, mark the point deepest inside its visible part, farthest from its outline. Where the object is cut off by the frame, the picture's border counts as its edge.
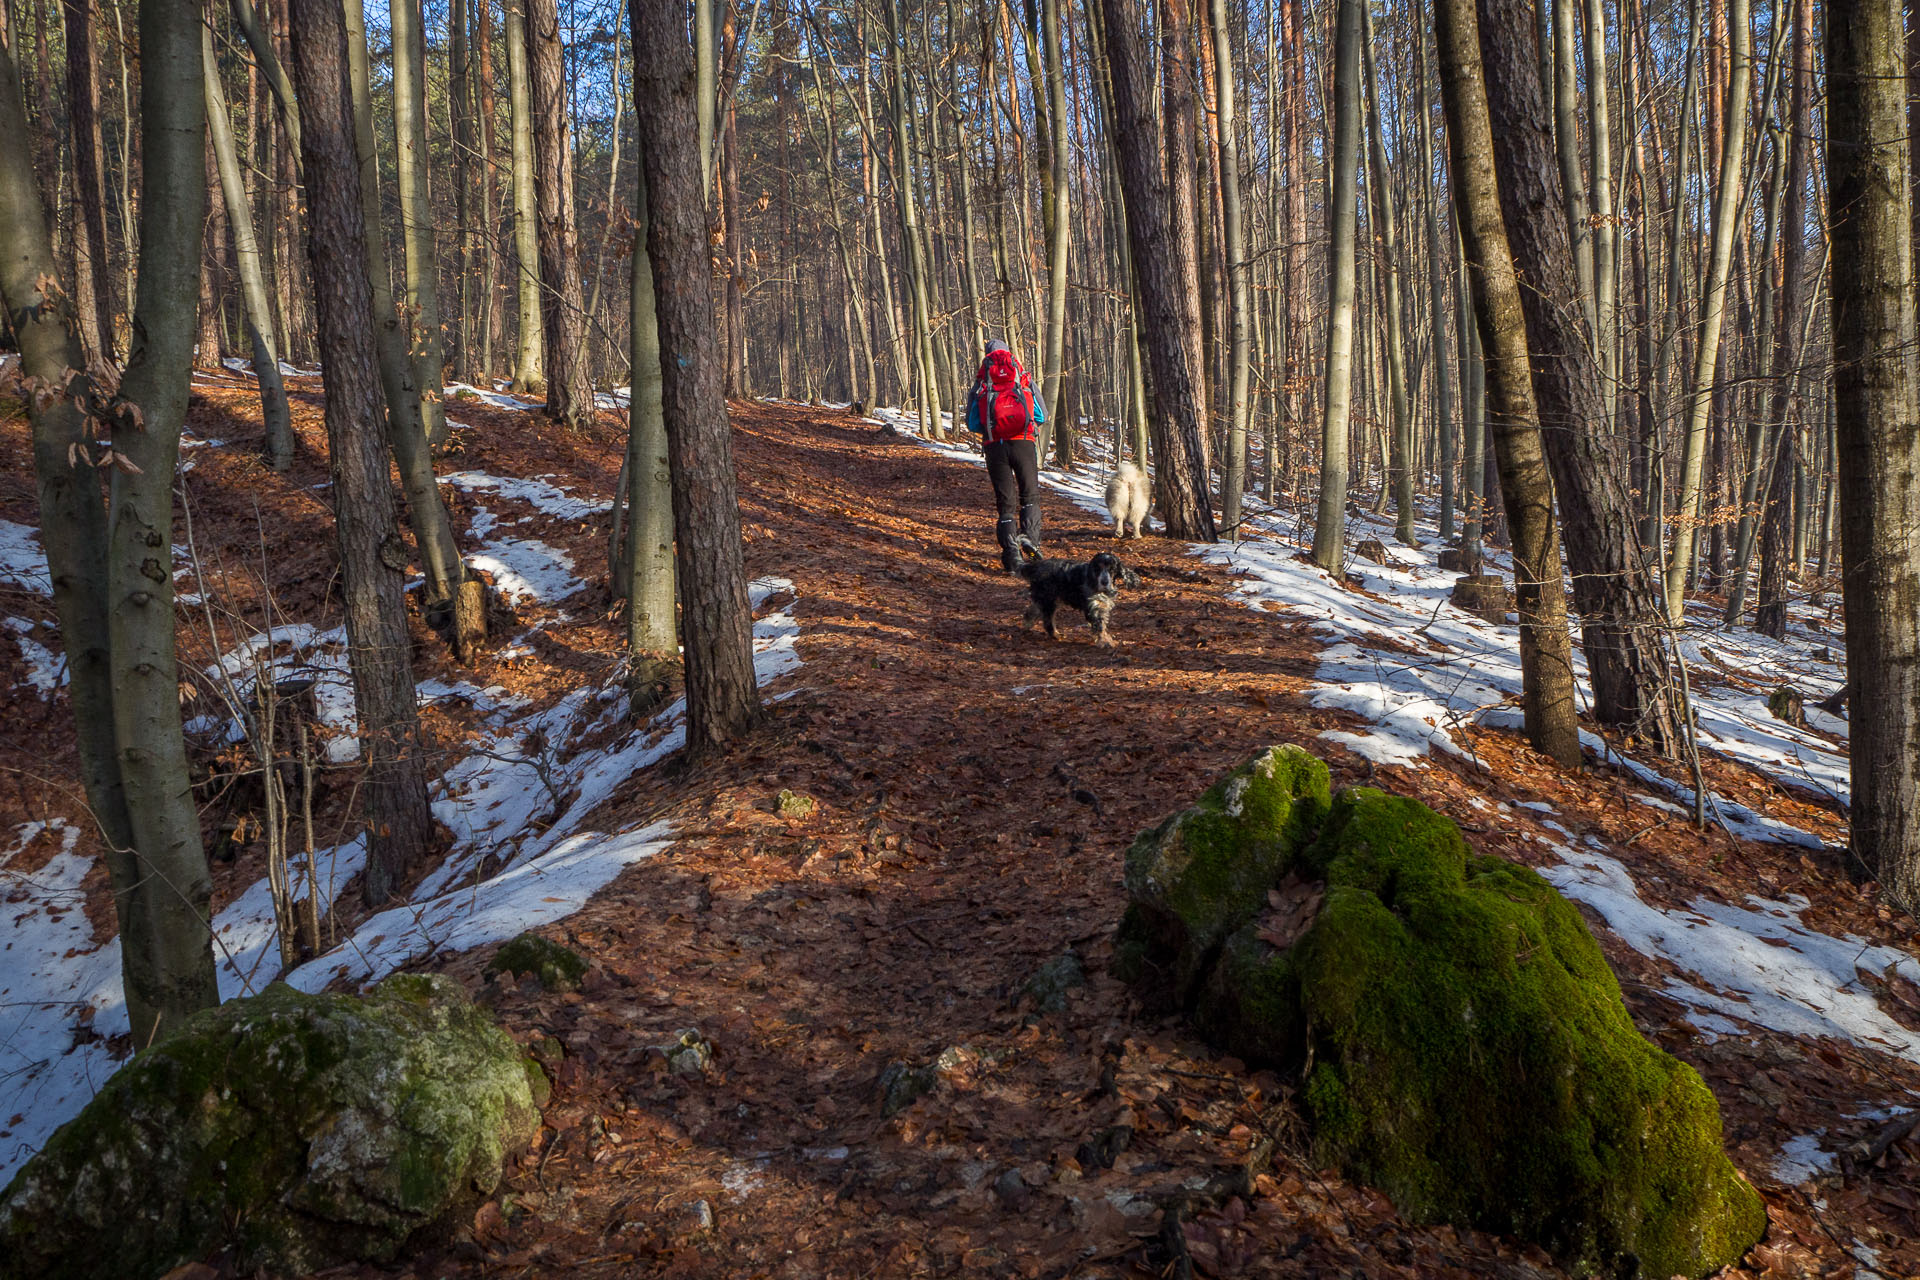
(1484, 595)
(1454, 560)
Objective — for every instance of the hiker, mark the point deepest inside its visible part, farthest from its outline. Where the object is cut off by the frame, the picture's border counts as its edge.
(1002, 411)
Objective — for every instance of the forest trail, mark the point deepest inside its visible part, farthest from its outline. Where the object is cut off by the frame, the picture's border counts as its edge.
(977, 786)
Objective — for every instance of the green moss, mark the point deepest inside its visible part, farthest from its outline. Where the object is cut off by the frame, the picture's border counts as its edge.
(1204, 872)
(1474, 1060)
(557, 967)
(296, 1130)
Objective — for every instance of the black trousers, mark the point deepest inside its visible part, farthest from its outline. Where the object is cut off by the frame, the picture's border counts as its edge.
(1015, 470)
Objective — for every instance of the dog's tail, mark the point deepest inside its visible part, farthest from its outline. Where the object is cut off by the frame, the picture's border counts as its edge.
(1029, 555)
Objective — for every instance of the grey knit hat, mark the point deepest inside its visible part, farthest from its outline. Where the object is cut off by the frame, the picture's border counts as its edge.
(994, 344)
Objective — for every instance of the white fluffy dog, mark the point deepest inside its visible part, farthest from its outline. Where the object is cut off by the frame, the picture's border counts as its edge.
(1129, 498)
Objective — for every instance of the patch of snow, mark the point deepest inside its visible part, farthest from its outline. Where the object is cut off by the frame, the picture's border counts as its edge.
(535, 491)
(46, 670)
(1756, 964)
(22, 563)
(1802, 1159)
(497, 399)
(524, 569)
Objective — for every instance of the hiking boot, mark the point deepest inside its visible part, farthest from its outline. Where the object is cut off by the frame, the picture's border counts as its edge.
(1009, 552)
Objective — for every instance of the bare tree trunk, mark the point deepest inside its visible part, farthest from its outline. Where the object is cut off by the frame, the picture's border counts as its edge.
(406, 433)
(1240, 344)
(372, 562)
(1771, 616)
(426, 346)
(94, 301)
(246, 252)
(1059, 242)
(723, 701)
(1728, 200)
(1513, 418)
(562, 315)
(1386, 229)
(1877, 413)
(175, 976)
(1330, 528)
(653, 648)
(529, 377)
(1617, 600)
(1153, 229)
(73, 520)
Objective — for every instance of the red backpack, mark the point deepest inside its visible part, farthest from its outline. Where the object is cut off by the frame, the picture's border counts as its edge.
(1003, 399)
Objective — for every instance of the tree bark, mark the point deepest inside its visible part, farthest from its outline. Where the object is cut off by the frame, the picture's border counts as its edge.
(529, 377)
(723, 701)
(372, 562)
(1728, 200)
(1240, 343)
(175, 975)
(1330, 526)
(562, 315)
(73, 519)
(246, 252)
(1059, 241)
(94, 300)
(1513, 417)
(1153, 230)
(1617, 600)
(426, 345)
(1771, 616)
(653, 649)
(1877, 416)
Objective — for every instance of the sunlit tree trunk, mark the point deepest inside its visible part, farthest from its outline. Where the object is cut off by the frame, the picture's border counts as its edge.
(1240, 343)
(246, 252)
(723, 701)
(1513, 418)
(1877, 415)
(562, 315)
(1330, 528)
(529, 377)
(1728, 200)
(1180, 479)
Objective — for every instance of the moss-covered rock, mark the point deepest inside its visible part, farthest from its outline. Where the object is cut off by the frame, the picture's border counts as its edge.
(297, 1130)
(1473, 1059)
(1205, 871)
(1463, 1043)
(557, 967)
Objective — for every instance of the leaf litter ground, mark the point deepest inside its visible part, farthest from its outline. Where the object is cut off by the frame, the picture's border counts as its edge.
(975, 787)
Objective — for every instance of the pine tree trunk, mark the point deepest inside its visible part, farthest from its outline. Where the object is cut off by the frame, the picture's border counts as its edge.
(562, 315)
(173, 975)
(1877, 416)
(372, 562)
(723, 701)
(1154, 231)
(1513, 417)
